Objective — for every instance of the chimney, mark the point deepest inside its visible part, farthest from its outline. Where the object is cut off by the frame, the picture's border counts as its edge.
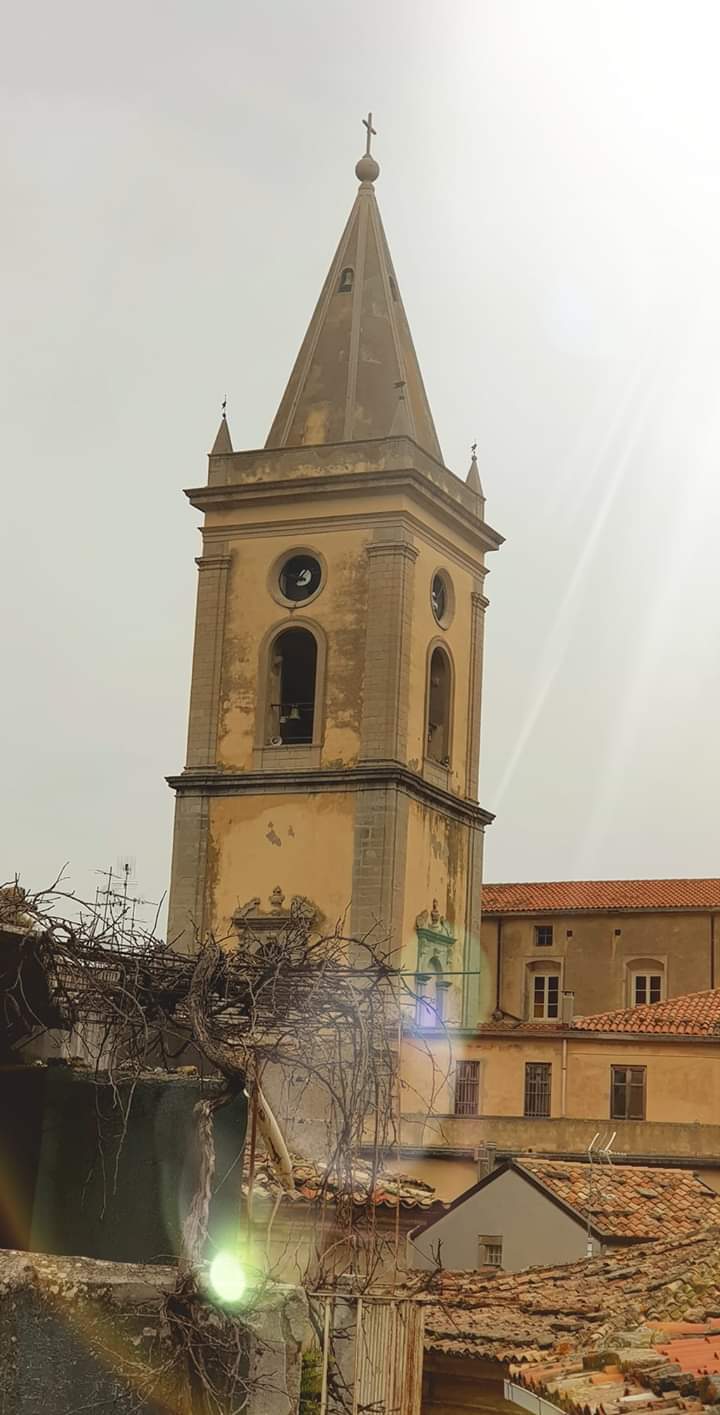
(567, 1008)
(486, 1160)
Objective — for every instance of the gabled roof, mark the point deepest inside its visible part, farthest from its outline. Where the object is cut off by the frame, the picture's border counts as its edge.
(357, 375)
(624, 1203)
(587, 896)
(695, 1014)
(628, 1201)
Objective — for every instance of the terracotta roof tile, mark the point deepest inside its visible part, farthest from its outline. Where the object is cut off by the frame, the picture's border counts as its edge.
(382, 1189)
(578, 1307)
(629, 1201)
(694, 1014)
(569, 896)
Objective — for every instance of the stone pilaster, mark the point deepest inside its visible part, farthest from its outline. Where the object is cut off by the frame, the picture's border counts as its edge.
(187, 908)
(207, 660)
(387, 650)
(475, 673)
(472, 953)
(379, 860)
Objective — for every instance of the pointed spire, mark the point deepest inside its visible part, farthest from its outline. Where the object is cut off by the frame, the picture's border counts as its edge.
(400, 425)
(358, 347)
(472, 479)
(223, 440)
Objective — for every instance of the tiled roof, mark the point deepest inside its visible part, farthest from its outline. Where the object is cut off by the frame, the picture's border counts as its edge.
(629, 1201)
(569, 896)
(379, 1188)
(574, 1307)
(696, 1014)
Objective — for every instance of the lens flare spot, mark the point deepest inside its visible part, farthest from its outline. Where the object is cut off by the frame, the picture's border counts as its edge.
(227, 1277)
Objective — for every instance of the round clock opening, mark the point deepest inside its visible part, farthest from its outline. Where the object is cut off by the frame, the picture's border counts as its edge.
(300, 578)
(441, 599)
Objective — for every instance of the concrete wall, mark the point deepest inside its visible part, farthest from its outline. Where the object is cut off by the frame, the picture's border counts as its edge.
(534, 1231)
(596, 954)
(109, 1175)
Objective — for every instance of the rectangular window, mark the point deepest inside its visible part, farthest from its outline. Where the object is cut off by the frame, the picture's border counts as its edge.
(647, 987)
(627, 1092)
(538, 1078)
(490, 1248)
(467, 1088)
(543, 935)
(546, 996)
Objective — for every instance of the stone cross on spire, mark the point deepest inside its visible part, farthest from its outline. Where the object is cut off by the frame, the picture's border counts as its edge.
(367, 169)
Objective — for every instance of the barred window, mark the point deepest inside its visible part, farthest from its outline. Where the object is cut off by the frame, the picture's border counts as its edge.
(490, 1250)
(543, 935)
(627, 1092)
(538, 1080)
(467, 1088)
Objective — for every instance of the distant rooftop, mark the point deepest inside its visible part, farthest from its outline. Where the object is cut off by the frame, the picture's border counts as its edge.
(626, 1201)
(575, 1307)
(586, 896)
(695, 1014)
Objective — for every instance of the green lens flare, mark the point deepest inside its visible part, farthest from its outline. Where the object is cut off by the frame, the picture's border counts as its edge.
(227, 1277)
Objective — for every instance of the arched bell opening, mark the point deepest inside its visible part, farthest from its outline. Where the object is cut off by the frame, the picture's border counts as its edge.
(293, 678)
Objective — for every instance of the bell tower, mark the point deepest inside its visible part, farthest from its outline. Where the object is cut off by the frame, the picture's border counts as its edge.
(334, 727)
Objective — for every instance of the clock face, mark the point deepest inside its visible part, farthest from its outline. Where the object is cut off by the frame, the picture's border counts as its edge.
(438, 598)
(300, 577)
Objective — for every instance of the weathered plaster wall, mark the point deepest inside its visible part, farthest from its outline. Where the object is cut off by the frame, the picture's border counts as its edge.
(455, 639)
(253, 613)
(303, 842)
(596, 961)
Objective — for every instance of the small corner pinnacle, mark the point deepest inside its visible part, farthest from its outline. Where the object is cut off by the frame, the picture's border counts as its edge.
(223, 441)
(472, 480)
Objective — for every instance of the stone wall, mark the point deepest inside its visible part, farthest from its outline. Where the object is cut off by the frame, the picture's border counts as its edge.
(80, 1334)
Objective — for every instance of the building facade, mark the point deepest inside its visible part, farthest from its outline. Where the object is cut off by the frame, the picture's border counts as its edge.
(334, 725)
(611, 943)
(646, 1079)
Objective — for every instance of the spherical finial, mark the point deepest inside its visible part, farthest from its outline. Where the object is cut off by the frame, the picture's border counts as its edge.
(367, 169)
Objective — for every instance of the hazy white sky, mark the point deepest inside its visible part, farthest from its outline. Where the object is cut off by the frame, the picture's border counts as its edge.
(175, 176)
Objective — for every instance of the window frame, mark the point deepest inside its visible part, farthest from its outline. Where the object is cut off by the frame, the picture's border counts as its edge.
(631, 1088)
(487, 1243)
(528, 1113)
(647, 979)
(544, 929)
(469, 1106)
(546, 978)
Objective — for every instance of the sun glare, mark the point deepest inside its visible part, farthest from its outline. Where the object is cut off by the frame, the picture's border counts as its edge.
(227, 1277)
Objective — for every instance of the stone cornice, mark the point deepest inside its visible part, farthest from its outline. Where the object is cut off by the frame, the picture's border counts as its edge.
(350, 484)
(379, 775)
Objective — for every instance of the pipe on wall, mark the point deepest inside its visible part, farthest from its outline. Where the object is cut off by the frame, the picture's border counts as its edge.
(498, 966)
